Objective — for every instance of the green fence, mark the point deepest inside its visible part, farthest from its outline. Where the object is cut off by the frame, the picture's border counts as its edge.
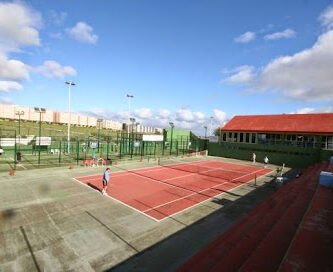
(291, 156)
(27, 154)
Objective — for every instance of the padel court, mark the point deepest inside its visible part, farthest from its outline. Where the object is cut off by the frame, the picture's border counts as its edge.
(163, 191)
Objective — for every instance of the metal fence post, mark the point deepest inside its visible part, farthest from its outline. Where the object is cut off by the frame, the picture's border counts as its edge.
(15, 157)
(77, 152)
(60, 152)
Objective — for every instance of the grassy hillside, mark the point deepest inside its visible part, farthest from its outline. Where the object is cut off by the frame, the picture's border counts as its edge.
(7, 128)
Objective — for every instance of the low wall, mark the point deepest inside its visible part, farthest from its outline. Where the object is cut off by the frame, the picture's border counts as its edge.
(277, 154)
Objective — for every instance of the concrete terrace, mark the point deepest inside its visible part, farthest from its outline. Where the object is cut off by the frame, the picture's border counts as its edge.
(50, 222)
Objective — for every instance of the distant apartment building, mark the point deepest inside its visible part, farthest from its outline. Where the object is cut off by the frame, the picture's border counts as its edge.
(8, 112)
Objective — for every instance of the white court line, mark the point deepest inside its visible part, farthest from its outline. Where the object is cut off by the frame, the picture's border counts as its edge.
(194, 205)
(159, 168)
(117, 200)
(178, 187)
(127, 172)
(199, 192)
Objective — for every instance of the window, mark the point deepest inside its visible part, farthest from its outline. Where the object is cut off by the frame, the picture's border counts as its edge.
(224, 137)
(262, 138)
(241, 137)
(235, 136)
(247, 138)
(253, 138)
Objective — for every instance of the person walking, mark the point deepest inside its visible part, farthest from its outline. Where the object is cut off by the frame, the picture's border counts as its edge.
(106, 178)
(266, 161)
(254, 156)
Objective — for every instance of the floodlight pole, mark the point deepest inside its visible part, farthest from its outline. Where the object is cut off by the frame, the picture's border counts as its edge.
(40, 111)
(19, 113)
(205, 127)
(99, 121)
(129, 96)
(70, 83)
(133, 121)
(211, 126)
(172, 125)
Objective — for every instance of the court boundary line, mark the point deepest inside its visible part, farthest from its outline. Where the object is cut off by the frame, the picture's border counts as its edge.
(176, 213)
(171, 185)
(117, 200)
(201, 191)
(153, 168)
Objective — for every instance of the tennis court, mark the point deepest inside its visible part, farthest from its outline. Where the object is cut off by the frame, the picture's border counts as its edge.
(174, 186)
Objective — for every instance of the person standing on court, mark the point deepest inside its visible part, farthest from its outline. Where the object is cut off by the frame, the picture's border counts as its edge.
(266, 161)
(254, 156)
(106, 178)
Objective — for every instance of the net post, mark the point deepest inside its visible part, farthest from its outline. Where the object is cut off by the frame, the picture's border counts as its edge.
(255, 179)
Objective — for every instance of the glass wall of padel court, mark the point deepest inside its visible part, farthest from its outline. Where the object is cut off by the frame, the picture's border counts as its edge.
(24, 153)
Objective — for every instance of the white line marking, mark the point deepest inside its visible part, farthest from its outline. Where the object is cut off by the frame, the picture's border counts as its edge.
(194, 205)
(117, 200)
(201, 191)
(171, 185)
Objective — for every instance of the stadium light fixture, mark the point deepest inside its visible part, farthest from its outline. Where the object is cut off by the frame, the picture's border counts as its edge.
(40, 111)
(99, 121)
(19, 114)
(172, 125)
(69, 83)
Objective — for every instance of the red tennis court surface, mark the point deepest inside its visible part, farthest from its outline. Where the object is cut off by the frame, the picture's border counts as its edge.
(163, 191)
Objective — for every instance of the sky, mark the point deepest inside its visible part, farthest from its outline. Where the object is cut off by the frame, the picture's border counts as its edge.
(184, 61)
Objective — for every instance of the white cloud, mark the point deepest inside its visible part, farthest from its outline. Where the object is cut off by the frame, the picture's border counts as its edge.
(143, 113)
(246, 37)
(53, 69)
(326, 18)
(306, 75)
(325, 109)
(82, 32)
(7, 86)
(18, 26)
(58, 18)
(219, 116)
(13, 69)
(182, 118)
(305, 110)
(240, 74)
(6, 100)
(285, 34)
(163, 113)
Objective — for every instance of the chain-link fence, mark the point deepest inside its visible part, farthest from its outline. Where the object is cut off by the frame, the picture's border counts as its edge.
(35, 152)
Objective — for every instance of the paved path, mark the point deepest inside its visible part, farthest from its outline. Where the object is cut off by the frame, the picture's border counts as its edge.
(49, 222)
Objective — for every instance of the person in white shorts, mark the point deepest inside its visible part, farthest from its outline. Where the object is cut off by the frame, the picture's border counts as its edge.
(254, 156)
(266, 161)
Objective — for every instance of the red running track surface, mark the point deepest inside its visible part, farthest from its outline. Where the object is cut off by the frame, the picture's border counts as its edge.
(160, 192)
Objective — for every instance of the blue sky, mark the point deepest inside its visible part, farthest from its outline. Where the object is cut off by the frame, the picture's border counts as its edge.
(182, 60)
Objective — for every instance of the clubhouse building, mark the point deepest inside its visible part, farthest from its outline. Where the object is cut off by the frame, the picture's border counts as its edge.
(298, 130)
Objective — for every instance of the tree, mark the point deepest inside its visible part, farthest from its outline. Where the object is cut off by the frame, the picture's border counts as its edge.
(217, 131)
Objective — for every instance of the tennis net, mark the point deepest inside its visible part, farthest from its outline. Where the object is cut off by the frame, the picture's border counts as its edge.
(196, 167)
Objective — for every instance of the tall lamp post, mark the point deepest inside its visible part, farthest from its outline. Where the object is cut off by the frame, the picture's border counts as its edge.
(40, 111)
(131, 142)
(211, 126)
(172, 125)
(99, 121)
(129, 97)
(70, 84)
(205, 127)
(19, 114)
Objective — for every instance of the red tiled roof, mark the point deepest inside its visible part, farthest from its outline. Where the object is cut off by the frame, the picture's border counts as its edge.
(288, 123)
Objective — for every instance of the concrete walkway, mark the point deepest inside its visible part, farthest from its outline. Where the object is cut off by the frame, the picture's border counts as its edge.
(50, 222)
